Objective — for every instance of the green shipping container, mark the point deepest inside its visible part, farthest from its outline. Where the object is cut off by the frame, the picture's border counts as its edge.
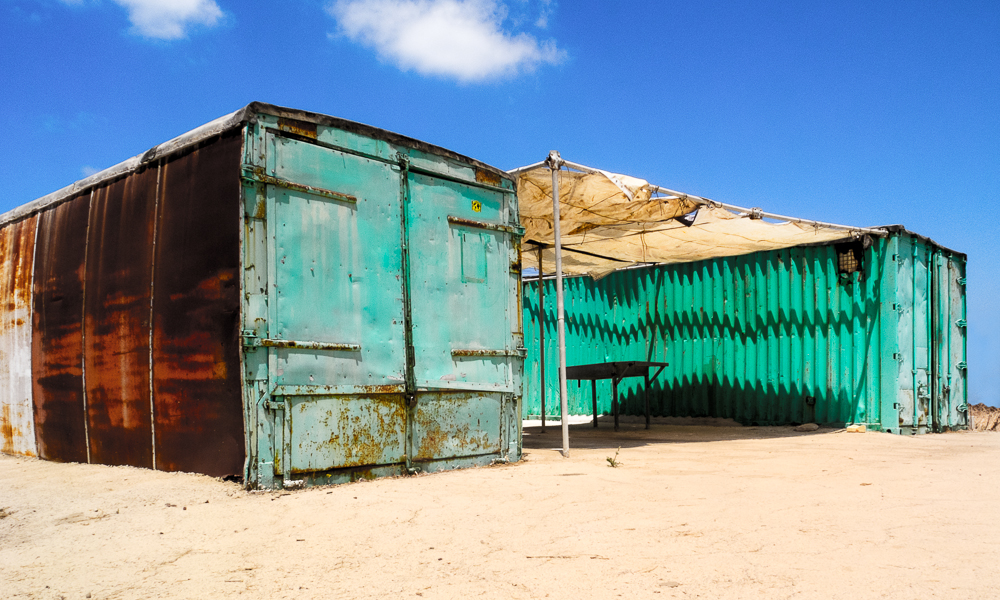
(279, 295)
(870, 331)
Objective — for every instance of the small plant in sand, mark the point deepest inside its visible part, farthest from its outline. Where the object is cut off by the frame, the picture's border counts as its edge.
(613, 460)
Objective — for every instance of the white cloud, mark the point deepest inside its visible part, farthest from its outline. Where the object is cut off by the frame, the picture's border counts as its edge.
(169, 19)
(463, 39)
(88, 170)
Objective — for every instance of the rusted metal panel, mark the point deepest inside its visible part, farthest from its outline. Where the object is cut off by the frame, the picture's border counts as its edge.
(17, 430)
(196, 370)
(456, 425)
(335, 432)
(57, 347)
(116, 321)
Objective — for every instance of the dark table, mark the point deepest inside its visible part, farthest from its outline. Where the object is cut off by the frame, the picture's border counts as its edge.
(615, 371)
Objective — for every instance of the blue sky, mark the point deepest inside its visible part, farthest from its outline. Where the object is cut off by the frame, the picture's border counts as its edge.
(866, 113)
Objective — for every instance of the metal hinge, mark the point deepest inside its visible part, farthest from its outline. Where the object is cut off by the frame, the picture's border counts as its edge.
(961, 323)
(962, 281)
(962, 407)
(274, 405)
(962, 366)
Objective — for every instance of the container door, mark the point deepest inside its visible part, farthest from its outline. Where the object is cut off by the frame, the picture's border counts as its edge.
(336, 327)
(461, 248)
(915, 337)
(949, 409)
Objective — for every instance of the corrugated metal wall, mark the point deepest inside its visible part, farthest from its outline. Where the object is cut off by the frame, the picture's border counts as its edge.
(17, 246)
(772, 337)
(124, 350)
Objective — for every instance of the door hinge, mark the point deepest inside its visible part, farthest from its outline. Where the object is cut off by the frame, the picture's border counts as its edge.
(274, 405)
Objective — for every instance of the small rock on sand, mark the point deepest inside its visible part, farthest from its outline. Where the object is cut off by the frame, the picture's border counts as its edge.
(807, 427)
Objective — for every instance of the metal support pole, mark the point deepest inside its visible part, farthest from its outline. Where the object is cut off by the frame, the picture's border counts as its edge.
(541, 336)
(645, 396)
(554, 163)
(614, 399)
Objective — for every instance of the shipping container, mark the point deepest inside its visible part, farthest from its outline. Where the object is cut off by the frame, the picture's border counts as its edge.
(278, 295)
(868, 331)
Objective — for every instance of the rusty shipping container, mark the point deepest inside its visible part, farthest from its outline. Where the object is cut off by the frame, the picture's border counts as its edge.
(278, 295)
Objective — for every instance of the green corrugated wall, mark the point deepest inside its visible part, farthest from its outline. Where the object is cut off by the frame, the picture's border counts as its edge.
(769, 338)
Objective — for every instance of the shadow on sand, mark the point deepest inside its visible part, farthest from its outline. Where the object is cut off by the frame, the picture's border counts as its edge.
(632, 433)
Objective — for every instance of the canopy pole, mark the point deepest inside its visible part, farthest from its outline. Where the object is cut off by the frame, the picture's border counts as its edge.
(554, 162)
(541, 336)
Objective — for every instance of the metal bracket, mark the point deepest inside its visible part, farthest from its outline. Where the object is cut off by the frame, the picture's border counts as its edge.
(274, 405)
(962, 407)
(962, 366)
(961, 323)
(962, 281)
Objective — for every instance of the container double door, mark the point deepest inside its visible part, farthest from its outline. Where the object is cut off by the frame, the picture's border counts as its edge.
(389, 326)
(931, 337)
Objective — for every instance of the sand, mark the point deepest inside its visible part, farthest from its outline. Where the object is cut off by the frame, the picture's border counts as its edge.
(690, 512)
(985, 418)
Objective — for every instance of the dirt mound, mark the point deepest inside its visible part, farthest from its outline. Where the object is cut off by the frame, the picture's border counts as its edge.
(985, 418)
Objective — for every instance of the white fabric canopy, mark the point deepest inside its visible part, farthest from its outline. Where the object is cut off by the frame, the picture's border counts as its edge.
(610, 221)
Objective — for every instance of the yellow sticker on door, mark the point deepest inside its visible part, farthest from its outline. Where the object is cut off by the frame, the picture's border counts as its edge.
(477, 206)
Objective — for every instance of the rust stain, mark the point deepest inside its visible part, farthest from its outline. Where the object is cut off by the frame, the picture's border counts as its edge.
(57, 342)
(444, 437)
(381, 389)
(196, 376)
(7, 430)
(16, 252)
(360, 434)
(487, 177)
(116, 332)
(303, 128)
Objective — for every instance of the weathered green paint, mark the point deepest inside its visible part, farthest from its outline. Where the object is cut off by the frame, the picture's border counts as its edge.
(774, 337)
(363, 301)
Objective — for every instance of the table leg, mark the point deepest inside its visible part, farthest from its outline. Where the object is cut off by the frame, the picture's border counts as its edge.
(614, 400)
(593, 392)
(645, 397)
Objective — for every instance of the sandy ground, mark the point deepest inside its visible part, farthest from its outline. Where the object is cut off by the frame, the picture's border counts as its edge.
(985, 418)
(692, 511)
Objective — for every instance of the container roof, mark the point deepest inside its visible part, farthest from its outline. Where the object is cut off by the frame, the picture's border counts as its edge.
(219, 126)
